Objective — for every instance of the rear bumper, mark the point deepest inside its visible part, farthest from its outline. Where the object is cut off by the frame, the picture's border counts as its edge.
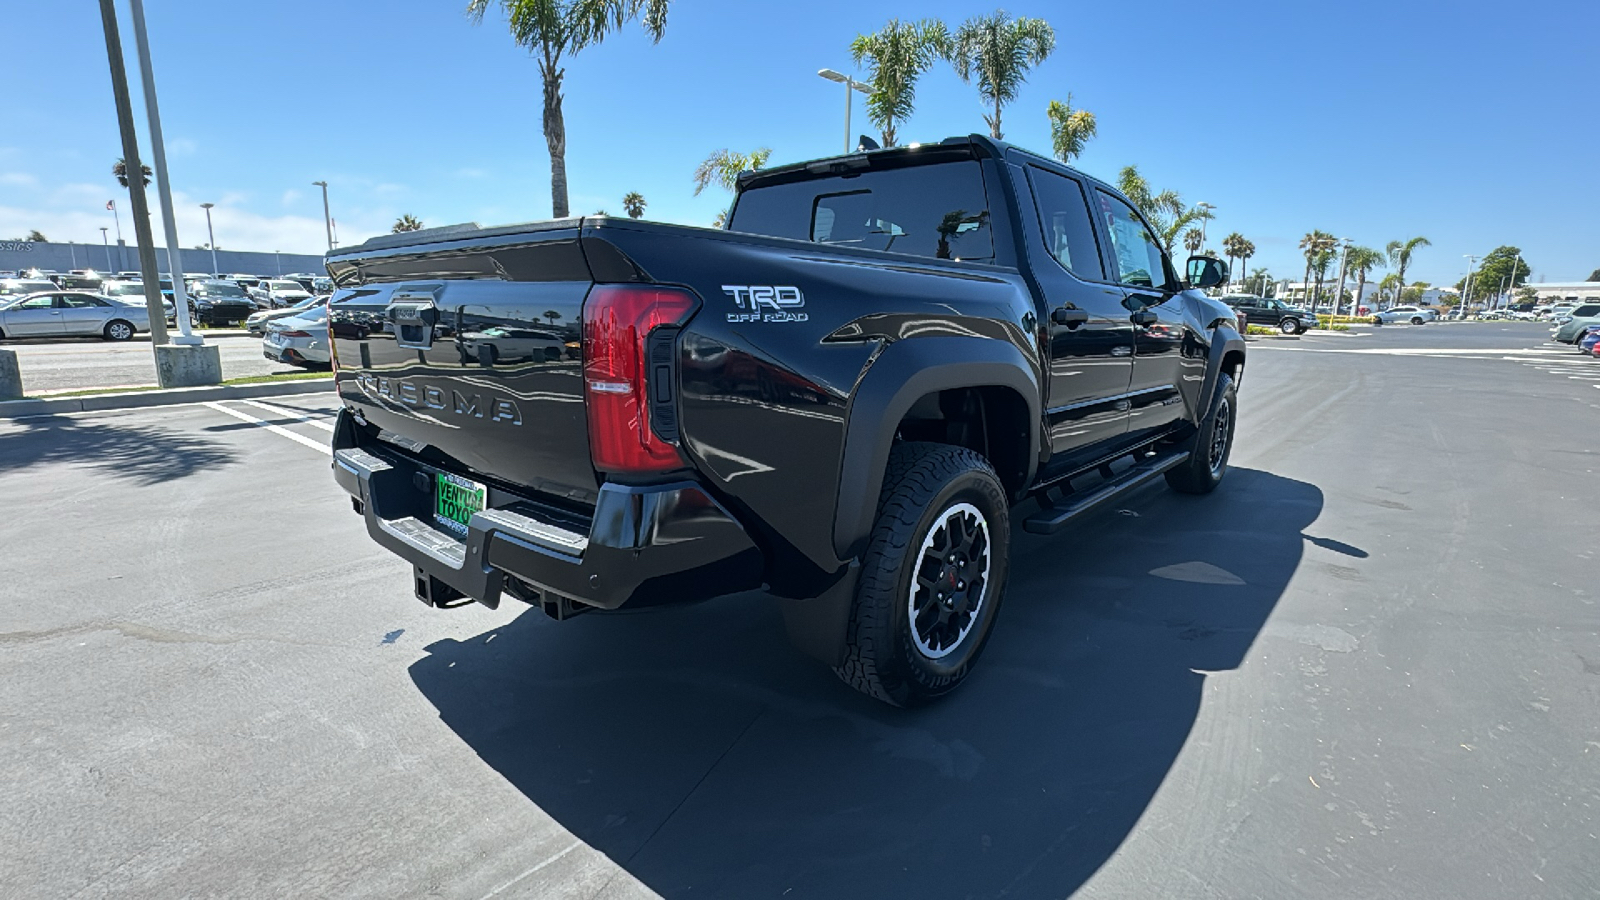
(653, 544)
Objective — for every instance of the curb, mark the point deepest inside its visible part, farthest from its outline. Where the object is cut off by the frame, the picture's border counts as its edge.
(16, 409)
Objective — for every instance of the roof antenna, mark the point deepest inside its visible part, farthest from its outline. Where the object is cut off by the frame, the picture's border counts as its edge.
(866, 143)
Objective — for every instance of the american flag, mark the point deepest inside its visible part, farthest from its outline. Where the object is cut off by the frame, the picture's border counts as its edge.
(111, 205)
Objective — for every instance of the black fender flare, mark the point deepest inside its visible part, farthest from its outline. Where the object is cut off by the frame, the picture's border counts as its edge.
(904, 372)
(1224, 340)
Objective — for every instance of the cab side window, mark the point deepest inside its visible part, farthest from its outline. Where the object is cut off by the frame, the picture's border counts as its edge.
(1135, 251)
(1064, 220)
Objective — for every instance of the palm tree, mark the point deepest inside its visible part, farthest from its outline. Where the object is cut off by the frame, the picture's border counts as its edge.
(407, 222)
(896, 56)
(1362, 260)
(36, 237)
(1319, 264)
(1389, 288)
(1400, 253)
(1000, 50)
(1231, 245)
(552, 315)
(1311, 245)
(1165, 211)
(723, 167)
(1246, 250)
(633, 204)
(721, 219)
(120, 169)
(1070, 129)
(553, 29)
(1260, 278)
(1192, 239)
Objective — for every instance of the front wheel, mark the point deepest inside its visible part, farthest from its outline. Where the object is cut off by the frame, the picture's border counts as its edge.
(932, 577)
(1289, 326)
(118, 330)
(1212, 444)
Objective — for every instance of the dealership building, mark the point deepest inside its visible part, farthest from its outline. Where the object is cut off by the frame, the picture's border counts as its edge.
(1565, 291)
(18, 256)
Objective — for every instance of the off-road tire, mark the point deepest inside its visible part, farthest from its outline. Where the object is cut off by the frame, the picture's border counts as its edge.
(1204, 469)
(113, 332)
(925, 484)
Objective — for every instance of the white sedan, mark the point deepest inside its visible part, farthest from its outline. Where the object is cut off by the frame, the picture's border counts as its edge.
(1416, 315)
(64, 313)
(299, 340)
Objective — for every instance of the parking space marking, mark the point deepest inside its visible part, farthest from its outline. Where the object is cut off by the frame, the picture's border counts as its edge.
(286, 413)
(246, 417)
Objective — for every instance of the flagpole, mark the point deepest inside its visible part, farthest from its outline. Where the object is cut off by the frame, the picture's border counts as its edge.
(122, 261)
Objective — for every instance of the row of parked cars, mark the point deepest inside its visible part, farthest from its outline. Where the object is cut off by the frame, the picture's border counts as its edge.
(1579, 326)
(1270, 312)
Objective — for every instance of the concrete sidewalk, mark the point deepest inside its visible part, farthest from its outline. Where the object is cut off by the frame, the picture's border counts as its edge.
(16, 409)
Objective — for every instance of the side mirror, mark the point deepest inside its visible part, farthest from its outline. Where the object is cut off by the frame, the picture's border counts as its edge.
(1207, 271)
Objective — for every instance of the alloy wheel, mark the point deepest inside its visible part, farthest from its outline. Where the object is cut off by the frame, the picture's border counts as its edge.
(950, 583)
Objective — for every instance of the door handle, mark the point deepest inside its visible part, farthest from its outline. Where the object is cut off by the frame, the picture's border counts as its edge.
(1070, 316)
(1144, 318)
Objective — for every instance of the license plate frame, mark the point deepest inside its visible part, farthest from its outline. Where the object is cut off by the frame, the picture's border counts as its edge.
(455, 499)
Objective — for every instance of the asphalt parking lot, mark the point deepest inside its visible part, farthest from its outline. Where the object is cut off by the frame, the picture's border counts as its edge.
(72, 364)
(1369, 666)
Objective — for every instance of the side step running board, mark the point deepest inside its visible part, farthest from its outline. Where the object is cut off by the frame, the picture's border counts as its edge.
(1058, 511)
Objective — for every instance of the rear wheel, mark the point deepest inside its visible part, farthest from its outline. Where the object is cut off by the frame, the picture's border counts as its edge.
(1211, 445)
(118, 330)
(932, 577)
(1416, 320)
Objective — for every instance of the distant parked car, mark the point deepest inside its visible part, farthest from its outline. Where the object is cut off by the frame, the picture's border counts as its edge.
(1569, 331)
(133, 292)
(278, 293)
(1416, 315)
(64, 313)
(1589, 341)
(257, 323)
(1271, 313)
(220, 303)
(12, 288)
(300, 340)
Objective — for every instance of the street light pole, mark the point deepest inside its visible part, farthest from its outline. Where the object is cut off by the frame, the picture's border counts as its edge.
(106, 240)
(1466, 286)
(158, 149)
(1514, 266)
(144, 245)
(327, 220)
(850, 84)
(213, 236)
(1344, 252)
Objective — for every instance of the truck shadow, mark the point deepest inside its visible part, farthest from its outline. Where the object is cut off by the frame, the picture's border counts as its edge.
(701, 754)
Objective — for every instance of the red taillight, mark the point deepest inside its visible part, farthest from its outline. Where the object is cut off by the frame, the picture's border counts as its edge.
(295, 333)
(617, 321)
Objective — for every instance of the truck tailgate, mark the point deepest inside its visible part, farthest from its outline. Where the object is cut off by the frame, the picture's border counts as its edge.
(468, 353)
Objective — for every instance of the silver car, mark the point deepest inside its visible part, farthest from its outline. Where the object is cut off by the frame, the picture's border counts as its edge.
(276, 294)
(257, 322)
(299, 340)
(1569, 331)
(63, 313)
(1416, 315)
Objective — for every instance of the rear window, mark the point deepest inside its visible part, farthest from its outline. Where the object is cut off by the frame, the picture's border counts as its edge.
(939, 211)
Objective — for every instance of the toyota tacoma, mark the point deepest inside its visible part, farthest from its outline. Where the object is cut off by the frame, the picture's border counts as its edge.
(838, 397)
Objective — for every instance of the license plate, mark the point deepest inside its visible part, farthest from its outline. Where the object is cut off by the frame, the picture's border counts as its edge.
(455, 499)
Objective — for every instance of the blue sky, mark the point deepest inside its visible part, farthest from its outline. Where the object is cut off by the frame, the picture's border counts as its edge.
(1472, 124)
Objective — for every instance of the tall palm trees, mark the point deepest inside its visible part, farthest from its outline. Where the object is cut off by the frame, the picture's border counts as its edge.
(1400, 253)
(1314, 245)
(1070, 129)
(1166, 210)
(1231, 245)
(407, 222)
(1362, 260)
(896, 56)
(120, 170)
(1245, 251)
(1192, 239)
(999, 50)
(633, 204)
(552, 30)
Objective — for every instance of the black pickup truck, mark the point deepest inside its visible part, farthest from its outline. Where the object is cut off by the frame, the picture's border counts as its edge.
(837, 398)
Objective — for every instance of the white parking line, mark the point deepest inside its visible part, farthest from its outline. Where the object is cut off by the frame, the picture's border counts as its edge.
(246, 417)
(286, 413)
